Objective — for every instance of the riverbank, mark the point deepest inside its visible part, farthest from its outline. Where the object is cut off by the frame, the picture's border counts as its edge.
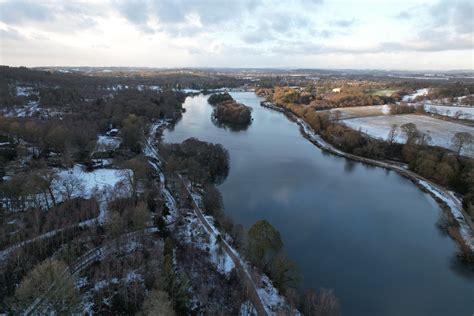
(445, 198)
(263, 298)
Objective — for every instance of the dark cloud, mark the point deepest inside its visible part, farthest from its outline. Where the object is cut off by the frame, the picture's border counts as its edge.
(170, 13)
(53, 15)
(456, 14)
(343, 23)
(404, 15)
(445, 25)
(136, 11)
(24, 11)
(272, 26)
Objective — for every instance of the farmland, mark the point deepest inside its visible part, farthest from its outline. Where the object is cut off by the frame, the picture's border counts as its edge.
(441, 132)
(382, 92)
(359, 111)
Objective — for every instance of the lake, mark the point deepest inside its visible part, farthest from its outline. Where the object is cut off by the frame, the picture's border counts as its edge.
(366, 232)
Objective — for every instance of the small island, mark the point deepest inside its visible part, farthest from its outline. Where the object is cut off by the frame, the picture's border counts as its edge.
(228, 111)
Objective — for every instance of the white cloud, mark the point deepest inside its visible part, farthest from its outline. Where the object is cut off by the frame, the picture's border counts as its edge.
(234, 33)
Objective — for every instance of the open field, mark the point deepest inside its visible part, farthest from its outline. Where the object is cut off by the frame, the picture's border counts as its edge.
(360, 111)
(441, 132)
(460, 112)
(382, 92)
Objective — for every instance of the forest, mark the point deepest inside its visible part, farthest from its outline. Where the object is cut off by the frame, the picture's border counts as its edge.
(228, 111)
(95, 209)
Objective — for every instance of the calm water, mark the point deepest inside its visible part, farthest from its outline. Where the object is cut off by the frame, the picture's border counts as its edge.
(364, 231)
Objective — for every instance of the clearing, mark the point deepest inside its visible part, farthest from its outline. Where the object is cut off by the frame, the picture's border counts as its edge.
(459, 112)
(382, 92)
(360, 111)
(441, 132)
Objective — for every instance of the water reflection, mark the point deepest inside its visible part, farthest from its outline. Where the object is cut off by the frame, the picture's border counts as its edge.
(349, 165)
(364, 231)
(229, 126)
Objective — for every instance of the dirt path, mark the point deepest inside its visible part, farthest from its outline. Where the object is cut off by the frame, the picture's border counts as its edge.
(246, 278)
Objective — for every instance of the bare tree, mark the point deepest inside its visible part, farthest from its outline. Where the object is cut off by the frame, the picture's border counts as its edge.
(411, 133)
(392, 134)
(71, 186)
(461, 140)
(424, 138)
(49, 177)
(321, 303)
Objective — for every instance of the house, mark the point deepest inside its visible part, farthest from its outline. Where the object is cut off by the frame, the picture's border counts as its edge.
(336, 90)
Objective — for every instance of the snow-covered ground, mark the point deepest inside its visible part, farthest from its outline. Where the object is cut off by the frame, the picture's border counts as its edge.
(190, 90)
(443, 106)
(75, 182)
(271, 299)
(455, 205)
(411, 97)
(195, 234)
(441, 132)
(87, 183)
(29, 109)
(107, 143)
(460, 112)
(360, 111)
(25, 91)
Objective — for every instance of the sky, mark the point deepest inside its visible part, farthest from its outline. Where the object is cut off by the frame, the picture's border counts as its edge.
(364, 34)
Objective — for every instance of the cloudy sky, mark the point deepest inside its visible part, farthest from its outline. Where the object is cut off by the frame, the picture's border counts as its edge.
(391, 34)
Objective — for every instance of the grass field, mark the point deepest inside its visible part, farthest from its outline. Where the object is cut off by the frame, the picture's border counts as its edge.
(382, 92)
(441, 132)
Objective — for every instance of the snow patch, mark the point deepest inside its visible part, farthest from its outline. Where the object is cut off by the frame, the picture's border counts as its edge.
(107, 143)
(411, 97)
(441, 132)
(454, 205)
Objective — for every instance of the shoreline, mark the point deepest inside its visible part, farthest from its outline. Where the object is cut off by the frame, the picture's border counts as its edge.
(443, 197)
(258, 295)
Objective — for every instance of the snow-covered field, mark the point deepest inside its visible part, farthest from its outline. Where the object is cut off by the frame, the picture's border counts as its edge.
(360, 111)
(86, 183)
(441, 132)
(460, 112)
(74, 182)
(411, 97)
(442, 106)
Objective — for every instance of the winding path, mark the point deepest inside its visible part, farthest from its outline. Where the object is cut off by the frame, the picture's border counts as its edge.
(79, 265)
